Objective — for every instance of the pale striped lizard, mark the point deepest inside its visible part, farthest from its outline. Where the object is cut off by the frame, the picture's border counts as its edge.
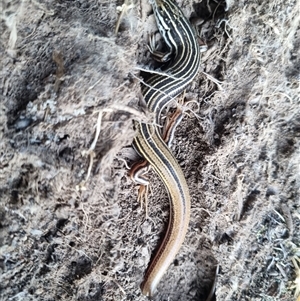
(158, 92)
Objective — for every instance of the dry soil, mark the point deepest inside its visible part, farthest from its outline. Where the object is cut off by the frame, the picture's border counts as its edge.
(70, 224)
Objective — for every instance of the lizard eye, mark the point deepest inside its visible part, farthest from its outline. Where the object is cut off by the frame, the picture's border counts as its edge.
(161, 11)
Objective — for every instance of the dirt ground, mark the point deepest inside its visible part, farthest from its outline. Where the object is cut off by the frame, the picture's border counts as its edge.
(71, 227)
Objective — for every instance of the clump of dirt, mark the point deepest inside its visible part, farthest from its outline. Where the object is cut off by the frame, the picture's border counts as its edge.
(70, 224)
